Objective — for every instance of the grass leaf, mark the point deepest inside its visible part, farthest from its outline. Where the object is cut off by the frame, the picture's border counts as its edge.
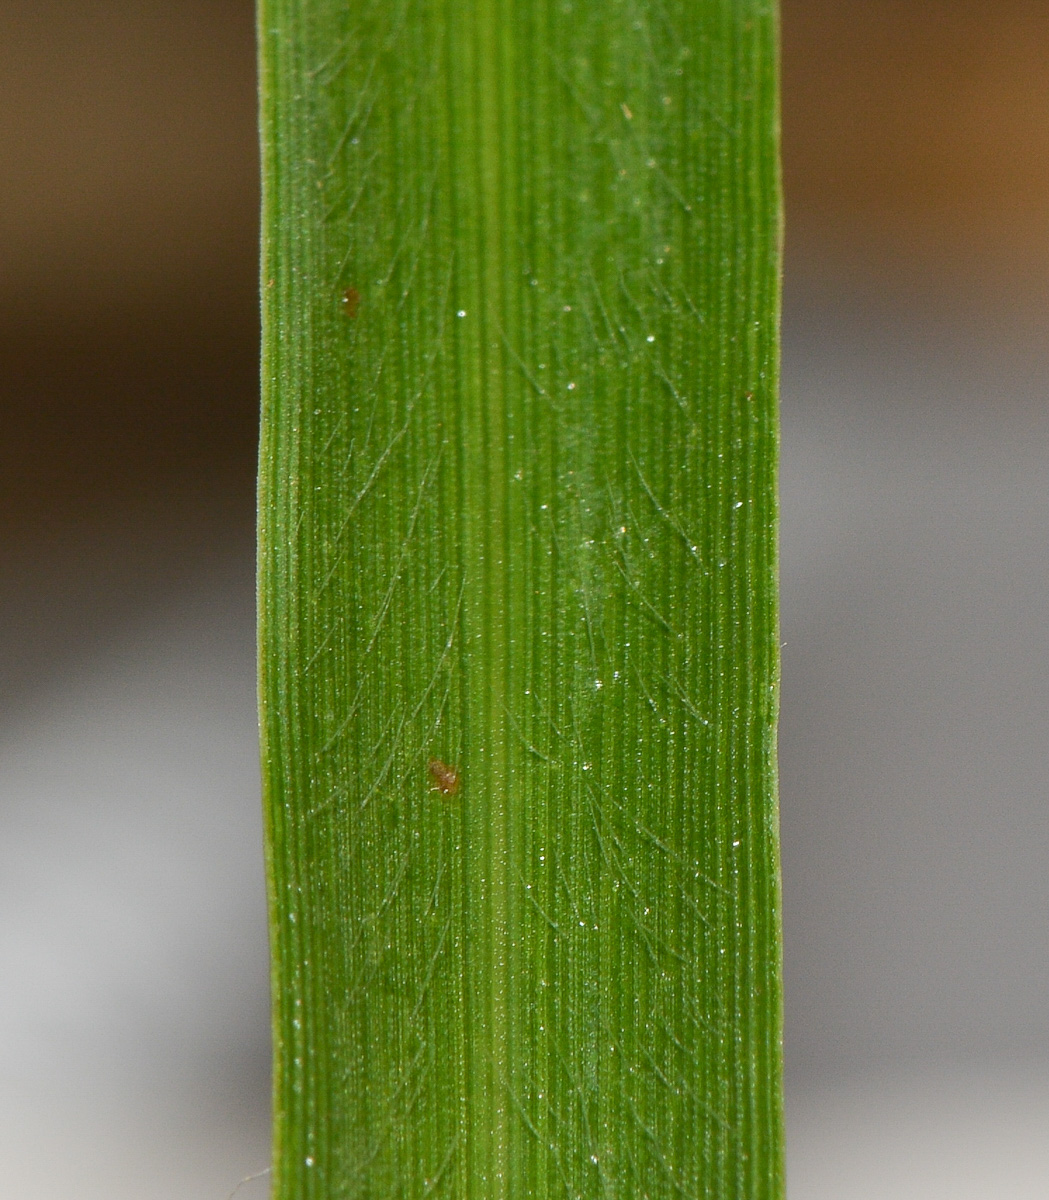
(518, 596)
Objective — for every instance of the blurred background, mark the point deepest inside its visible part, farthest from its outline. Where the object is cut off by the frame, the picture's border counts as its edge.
(915, 475)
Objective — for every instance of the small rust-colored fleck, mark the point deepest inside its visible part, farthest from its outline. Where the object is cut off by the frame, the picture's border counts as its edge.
(444, 778)
(351, 302)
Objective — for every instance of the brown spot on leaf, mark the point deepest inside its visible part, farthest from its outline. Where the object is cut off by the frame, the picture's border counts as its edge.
(444, 778)
(351, 302)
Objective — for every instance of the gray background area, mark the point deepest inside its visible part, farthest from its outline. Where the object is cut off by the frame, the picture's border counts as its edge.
(915, 567)
(915, 760)
(915, 728)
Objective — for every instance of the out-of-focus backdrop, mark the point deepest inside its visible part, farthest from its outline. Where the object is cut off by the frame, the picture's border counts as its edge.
(915, 732)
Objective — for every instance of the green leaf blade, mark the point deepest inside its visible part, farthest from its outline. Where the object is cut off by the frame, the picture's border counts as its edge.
(517, 505)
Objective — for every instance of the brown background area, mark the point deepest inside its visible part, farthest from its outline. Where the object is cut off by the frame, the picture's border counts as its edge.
(916, 144)
(128, 238)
